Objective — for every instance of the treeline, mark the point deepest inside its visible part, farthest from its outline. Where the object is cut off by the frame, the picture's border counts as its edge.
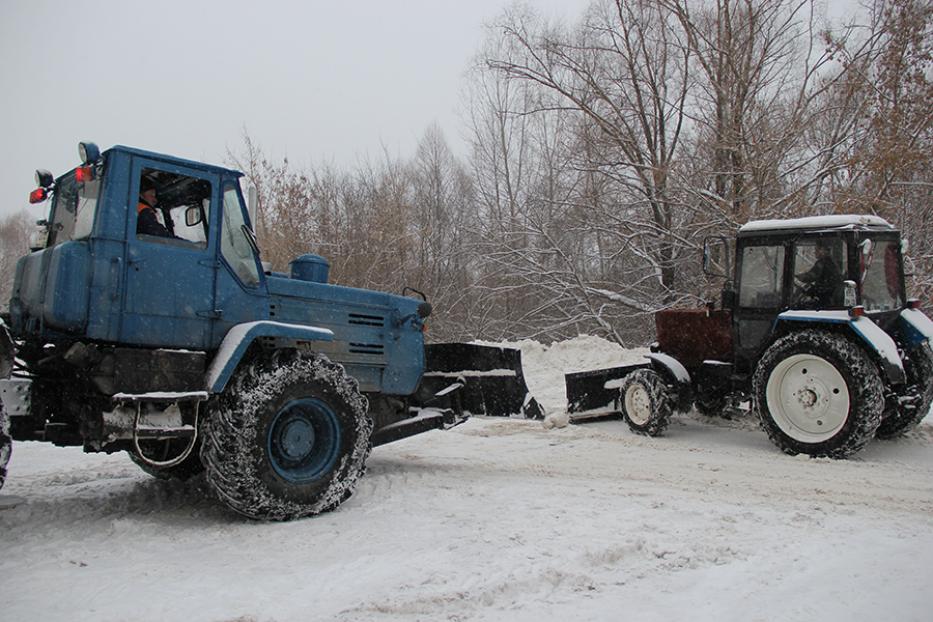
(604, 151)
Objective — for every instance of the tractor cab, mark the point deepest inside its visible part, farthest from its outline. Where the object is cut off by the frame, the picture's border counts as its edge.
(815, 331)
(851, 264)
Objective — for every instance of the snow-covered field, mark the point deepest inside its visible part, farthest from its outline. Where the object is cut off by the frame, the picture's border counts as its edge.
(494, 520)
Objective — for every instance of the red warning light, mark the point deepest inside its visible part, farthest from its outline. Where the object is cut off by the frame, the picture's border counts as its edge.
(38, 195)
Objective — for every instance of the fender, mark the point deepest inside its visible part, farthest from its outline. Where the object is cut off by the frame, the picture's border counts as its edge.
(667, 364)
(878, 341)
(671, 365)
(915, 327)
(239, 338)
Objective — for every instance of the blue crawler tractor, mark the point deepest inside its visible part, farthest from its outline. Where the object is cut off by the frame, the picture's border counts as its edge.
(171, 342)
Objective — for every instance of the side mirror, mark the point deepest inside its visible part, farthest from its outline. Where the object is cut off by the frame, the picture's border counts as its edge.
(193, 216)
(849, 294)
(716, 257)
(252, 201)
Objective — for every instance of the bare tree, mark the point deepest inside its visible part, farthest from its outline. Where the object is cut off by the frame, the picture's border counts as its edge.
(14, 243)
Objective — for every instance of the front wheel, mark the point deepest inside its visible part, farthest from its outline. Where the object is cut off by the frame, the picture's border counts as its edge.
(646, 402)
(288, 438)
(818, 393)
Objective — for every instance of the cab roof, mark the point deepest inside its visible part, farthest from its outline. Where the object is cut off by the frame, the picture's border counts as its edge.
(837, 222)
(174, 160)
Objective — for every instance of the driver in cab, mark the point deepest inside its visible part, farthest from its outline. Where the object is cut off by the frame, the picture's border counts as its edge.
(822, 283)
(147, 222)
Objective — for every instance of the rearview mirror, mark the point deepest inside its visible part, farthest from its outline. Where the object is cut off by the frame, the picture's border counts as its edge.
(716, 257)
(193, 216)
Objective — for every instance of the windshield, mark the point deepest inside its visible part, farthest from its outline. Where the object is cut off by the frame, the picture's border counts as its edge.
(880, 274)
(761, 277)
(73, 207)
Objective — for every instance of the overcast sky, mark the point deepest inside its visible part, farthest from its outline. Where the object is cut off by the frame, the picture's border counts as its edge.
(317, 80)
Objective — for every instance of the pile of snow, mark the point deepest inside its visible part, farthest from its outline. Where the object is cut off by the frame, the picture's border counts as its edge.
(496, 519)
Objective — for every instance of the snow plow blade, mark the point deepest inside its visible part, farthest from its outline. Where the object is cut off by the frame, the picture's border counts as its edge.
(595, 394)
(479, 380)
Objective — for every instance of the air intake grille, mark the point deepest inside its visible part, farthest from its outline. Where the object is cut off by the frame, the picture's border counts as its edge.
(366, 348)
(367, 320)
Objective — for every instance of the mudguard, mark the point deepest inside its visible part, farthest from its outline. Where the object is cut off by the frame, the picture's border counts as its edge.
(878, 341)
(916, 327)
(239, 338)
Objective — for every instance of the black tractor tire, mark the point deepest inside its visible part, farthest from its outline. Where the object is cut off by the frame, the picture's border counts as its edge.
(288, 438)
(166, 450)
(818, 393)
(918, 366)
(6, 444)
(646, 402)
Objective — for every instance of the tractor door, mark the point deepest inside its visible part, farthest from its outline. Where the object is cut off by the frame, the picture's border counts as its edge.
(241, 294)
(170, 266)
(761, 273)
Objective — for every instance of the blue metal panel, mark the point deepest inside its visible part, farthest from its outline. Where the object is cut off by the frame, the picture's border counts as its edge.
(915, 326)
(51, 289)
(66, 287)
(172, 160)
(236, 301)
(381, 334)
(28, 291)
(108, 250)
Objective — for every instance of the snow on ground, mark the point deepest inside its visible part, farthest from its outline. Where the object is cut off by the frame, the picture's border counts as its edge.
(497, 519)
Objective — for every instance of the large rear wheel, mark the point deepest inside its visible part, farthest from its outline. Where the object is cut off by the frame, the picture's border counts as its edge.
(818, 393)
(288, 438)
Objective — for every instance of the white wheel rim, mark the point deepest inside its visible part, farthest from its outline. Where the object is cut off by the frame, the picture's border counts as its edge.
(637, 404)
(808, 398)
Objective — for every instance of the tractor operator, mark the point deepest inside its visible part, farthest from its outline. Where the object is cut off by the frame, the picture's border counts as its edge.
(823, 281)
(146, 220)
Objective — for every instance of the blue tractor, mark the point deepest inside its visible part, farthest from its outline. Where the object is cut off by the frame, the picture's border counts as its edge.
(145, 322)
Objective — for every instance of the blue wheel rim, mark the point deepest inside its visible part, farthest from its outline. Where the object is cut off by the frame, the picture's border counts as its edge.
(304, 440)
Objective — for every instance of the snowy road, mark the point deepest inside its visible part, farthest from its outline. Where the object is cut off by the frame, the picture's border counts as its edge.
(494, 520)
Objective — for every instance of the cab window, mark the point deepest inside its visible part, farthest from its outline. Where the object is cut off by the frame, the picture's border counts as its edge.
(234, 243)
(819, 273)
(173, 207)
(761, 277)
(73, 208)
(880, 270)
